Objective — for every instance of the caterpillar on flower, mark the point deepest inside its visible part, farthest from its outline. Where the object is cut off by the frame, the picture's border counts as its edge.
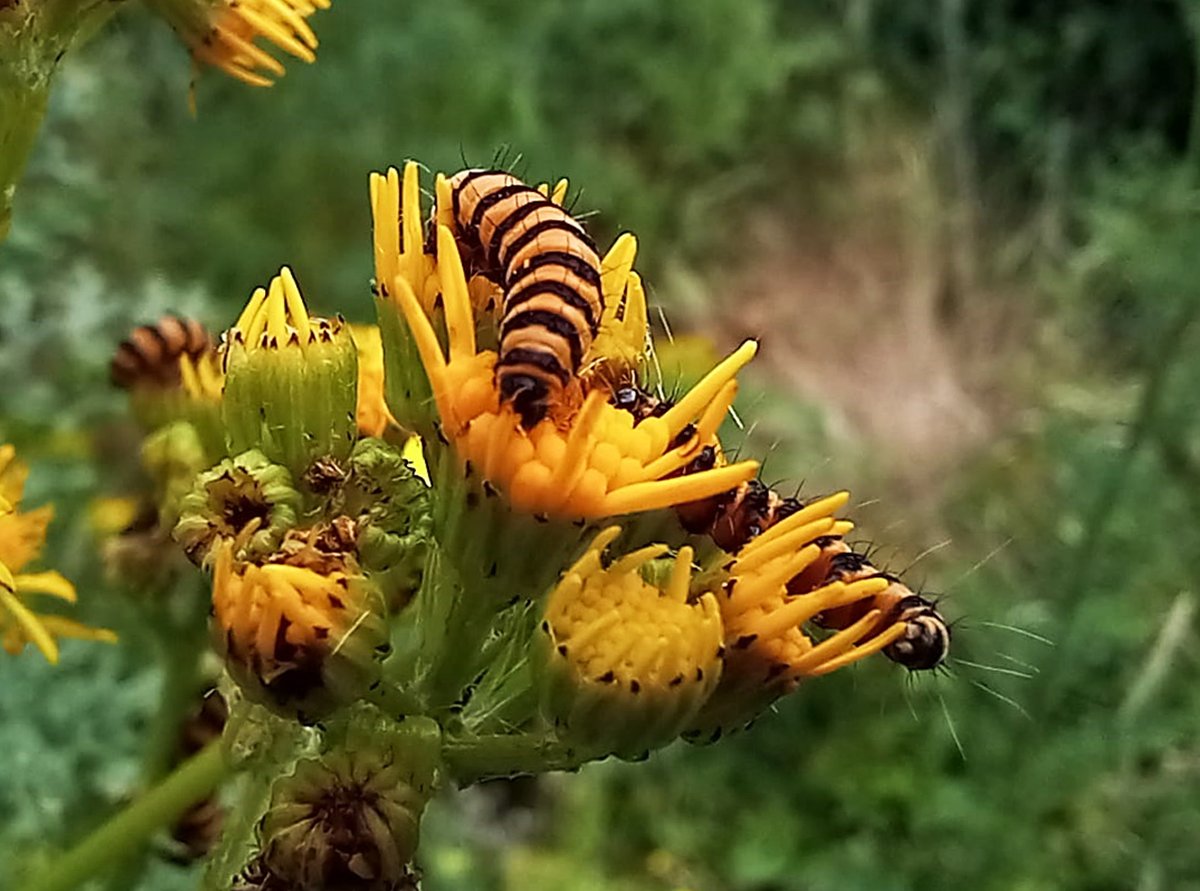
(549, 271)
(735, 517)
(151, 353)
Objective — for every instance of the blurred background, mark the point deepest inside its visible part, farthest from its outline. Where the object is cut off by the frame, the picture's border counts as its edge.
(967, 234)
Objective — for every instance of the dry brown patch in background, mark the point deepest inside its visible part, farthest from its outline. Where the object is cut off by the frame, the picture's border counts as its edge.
(870, 317)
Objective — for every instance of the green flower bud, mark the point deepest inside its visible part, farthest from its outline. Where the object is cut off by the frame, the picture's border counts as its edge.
(245, 501)
(290, 380)
(392, 504)
(351, 819)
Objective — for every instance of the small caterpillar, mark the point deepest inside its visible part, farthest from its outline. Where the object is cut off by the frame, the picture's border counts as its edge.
(151, 353)
(733, 518)
(549, 271)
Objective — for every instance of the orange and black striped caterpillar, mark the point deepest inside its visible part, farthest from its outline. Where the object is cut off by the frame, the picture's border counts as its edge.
(731, 519)
(151, 353)
(549, 271)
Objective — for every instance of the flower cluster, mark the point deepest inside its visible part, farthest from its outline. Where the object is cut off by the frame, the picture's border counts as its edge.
(394, 536)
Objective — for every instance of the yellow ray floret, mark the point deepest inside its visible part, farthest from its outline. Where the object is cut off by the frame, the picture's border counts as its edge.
(227, 34)
(202, 377)
(22, 535)
(764, 618)
(622, 342)
(399, 234)
(276, 316)
(372, 412)
(598, 463)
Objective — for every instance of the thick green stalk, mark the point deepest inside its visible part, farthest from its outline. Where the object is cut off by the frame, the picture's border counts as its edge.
(129, 829)
(33, 39)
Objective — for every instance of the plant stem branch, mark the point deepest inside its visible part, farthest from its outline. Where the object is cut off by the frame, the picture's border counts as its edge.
(131, 827)
(469, 759)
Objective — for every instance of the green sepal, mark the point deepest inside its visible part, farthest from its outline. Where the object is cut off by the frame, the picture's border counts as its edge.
(296, 403)
(406, 385)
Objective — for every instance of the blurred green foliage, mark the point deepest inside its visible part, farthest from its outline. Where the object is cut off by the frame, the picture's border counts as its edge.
(1076, 522)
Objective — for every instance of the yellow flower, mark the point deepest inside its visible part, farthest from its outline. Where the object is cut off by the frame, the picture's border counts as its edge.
(202, 377)
(372, 412)
(764, 610)
(224, 33)
(764, 617)
(628, 664)
(22, 535)
(600, 464)
(300, 635)
(399, 234)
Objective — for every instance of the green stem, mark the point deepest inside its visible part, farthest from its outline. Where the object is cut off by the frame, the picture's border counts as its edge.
(177, 696)
(469, 759)
(126, 831)
(22, 108)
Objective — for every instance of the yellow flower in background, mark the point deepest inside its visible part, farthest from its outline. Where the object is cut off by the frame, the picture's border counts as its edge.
(600, 464)
(227, 34)
(22, 535)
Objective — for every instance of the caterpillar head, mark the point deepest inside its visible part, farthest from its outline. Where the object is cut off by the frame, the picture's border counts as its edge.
(528, 395)
(926, 641)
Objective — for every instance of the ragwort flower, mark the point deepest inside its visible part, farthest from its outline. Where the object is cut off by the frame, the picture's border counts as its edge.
(627, 664)
(767, 649)
(22, 534)
(225, 33)
(600, 464)
(301, 634)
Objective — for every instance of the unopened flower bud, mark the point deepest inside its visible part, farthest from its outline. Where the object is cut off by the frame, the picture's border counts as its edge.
(350, 820)
(290, 380)
(392, 505)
